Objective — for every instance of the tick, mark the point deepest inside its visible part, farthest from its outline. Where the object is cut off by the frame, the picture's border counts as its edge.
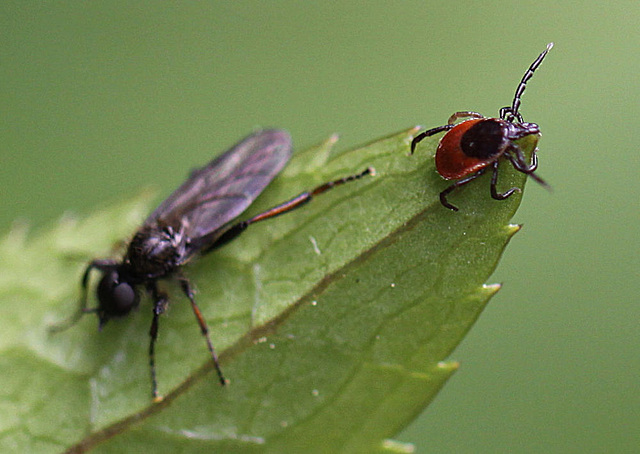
(470, 147)
(199, 217)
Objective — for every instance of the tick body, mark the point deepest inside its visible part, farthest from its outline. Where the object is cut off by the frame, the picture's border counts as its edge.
(198, 217)
(477, 143)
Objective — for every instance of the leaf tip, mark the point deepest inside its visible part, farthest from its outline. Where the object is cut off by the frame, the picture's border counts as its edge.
(398, 447)
(491, 289)
(18, 232)
(448, 366)
(512, 229)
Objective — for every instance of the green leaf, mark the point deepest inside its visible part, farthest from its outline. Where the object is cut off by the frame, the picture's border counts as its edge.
(333, 323)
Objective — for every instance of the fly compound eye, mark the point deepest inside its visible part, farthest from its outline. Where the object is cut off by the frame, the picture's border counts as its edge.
(117, 298)
(124, 297)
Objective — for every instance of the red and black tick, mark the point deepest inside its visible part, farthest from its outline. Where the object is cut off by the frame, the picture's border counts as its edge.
(470, 147)
(199, 217)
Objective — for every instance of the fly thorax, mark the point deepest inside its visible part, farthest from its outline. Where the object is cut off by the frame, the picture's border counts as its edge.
(155, 251)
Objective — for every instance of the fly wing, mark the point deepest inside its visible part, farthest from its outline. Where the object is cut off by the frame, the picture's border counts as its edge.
(219, 192)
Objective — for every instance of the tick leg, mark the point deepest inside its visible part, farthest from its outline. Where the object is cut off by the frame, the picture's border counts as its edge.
(285, 207)
(101, 265)
(494, 180)
(463, 114)
(506, 113)
(159, 305)
(425, 134)
(204, 329)
(457, 184)
(520, 163)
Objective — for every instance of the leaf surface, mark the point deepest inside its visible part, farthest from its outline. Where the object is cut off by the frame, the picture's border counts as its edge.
(334, 323)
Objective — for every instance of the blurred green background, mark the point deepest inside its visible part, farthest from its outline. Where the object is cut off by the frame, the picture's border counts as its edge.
(99, 100)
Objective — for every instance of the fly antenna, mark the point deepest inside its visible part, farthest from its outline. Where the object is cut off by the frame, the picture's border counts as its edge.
(511, 113)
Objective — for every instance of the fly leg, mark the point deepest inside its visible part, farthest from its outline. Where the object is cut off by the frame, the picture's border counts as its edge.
(100, 265)
(204, 329)
(160, 301)
(285, 207)
(236, 229)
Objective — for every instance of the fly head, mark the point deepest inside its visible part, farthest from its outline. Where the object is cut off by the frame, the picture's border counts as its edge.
(116, 296)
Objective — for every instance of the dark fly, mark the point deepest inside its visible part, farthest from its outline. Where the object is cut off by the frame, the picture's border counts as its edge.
(196, 219)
